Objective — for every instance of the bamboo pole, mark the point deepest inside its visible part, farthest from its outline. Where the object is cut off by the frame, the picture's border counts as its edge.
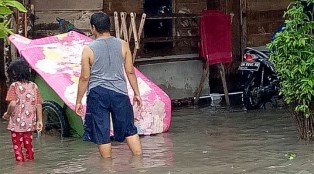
(198, 91)
(130, 28)
(124, 32)
(224, 83)
(116, 22)
(134, 31)
(139, 35)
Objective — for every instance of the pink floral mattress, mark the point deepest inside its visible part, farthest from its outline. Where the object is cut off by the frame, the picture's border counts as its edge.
(57, 60)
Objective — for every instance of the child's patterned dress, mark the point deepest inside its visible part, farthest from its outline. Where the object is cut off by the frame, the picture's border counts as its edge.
(23, 120)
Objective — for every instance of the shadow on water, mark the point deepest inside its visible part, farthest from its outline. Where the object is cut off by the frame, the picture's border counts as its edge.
(201, 140)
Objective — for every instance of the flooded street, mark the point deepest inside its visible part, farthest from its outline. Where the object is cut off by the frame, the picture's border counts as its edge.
(200, 141)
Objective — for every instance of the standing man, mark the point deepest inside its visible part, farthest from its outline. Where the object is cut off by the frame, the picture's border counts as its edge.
(102, 78)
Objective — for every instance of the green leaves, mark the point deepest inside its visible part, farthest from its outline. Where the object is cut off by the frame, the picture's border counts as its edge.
(293, 57)
(6, 9)
(4, 29)
(17, 5)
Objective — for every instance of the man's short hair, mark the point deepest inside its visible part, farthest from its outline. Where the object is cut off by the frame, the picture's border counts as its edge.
(101, 21)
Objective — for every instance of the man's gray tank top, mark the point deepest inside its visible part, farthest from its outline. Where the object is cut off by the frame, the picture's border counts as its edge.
(107, 69)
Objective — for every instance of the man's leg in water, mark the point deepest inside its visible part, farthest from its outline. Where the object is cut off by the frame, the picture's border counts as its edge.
(105, 150)
(134, 144)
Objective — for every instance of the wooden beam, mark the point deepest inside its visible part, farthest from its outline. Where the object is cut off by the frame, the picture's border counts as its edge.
(265, 5)
(168, 39)
(269, 15)
(135, 34)
(198, 91)
(116, 24)
(123, 29)
(255, 40)
(139, 34)
(224, 83)
(49, 5)
(243, 23)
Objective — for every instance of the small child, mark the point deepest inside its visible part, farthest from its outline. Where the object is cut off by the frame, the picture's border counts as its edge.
(24, 111)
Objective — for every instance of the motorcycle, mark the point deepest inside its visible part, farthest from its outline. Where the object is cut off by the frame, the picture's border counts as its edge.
(259, 81)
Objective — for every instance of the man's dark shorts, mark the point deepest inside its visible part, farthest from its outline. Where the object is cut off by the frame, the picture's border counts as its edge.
(100, 103)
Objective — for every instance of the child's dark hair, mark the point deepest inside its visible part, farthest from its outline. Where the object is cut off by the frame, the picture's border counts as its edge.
(19, 70)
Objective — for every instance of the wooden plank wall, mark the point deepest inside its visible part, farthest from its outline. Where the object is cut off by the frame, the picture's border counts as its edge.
(251, 28)
(263, 17)
(77, 12)
(259, 19)
(66, 5)
(128, 6)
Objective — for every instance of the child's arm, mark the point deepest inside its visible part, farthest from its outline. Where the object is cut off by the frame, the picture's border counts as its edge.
(10, 110)
(39, 110)
(39, 114)
(11, 98)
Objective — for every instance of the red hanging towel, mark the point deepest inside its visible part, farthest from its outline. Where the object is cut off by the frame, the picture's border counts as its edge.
(215, 32)
(202, 53)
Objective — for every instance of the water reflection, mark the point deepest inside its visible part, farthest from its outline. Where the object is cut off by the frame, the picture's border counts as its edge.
(55, 156)
(200, 141)
(157, 152)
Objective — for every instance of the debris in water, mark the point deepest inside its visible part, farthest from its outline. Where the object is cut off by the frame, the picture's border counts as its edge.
(291, 155)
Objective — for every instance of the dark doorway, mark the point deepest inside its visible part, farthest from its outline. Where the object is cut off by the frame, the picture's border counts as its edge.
(157, 26)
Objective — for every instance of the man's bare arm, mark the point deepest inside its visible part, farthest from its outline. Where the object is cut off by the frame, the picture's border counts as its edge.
(129, 68)
(85, 74)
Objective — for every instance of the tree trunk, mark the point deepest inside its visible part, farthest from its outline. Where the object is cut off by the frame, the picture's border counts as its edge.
(305, 126)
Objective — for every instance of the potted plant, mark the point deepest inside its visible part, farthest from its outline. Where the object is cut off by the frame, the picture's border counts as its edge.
(292, 52)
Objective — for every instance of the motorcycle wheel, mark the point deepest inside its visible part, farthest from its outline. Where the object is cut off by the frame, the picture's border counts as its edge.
(251, 98)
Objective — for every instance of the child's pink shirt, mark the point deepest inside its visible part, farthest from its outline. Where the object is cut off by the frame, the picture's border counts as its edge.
(27, 96)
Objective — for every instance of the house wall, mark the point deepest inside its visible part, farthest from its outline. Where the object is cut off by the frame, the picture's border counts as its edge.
(254, 20)
(185, 29)
(179, 79)
(263, 17)
(252, 25)
(77, 12)
(135, 6)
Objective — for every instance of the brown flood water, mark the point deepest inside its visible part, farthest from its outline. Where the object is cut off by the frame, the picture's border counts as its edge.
(200, 141)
